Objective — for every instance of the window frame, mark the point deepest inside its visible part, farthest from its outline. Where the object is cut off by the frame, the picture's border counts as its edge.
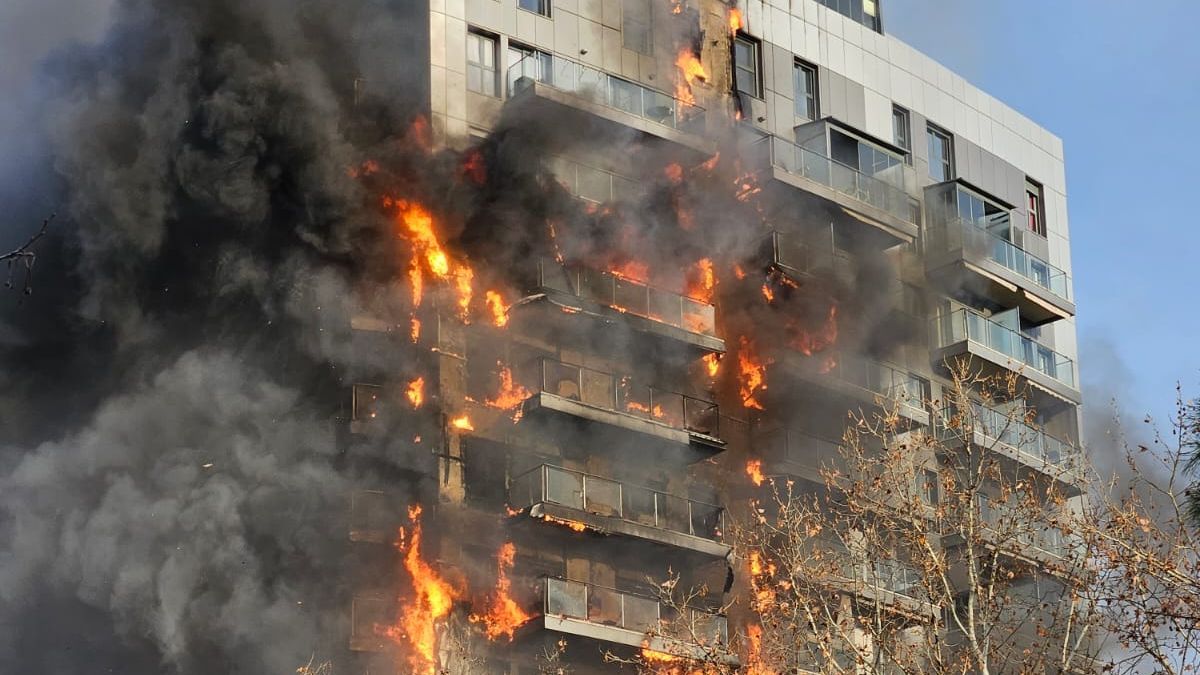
(647, 47)
(545, 62)
(934, 131)
(495, 71)
(756, 54)
(541, 7)
(812, 99)
(902, 121)
(1035, 208)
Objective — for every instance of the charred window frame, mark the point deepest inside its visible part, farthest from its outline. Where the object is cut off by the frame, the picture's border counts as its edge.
(1035, 207)
(536, 6)
(482, 74)
(804, 78)
(365, 402)
(747, 65)
(941, 154)
(637, 26)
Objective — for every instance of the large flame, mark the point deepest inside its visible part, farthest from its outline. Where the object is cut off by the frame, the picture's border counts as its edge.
(755, 472)
(702, 280)
(690, 70)
(754, 652)
(504, 614)
(462, 423)
(432, 599)
(511, 394)
(416, 392)
(495, 303)
(736, 20)
(753, 374)
(430, 256)
(712, 364)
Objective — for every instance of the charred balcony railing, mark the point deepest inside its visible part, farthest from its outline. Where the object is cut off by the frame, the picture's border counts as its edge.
(637, 614)
(627, 295)
(963, 325)
(619, 393)
(596, 86)
(975, 241)
(887, 382)
(606, 497)
(592, 184)
(995, 425)
(846, 180)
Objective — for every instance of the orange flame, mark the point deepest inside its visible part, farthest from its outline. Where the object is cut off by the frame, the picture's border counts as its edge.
(462, 423)
(754, 470)
(496, 304)
(505, 615)
(573, 524)
(510, 395)
(414, 329)
(811, 342)
(768, 293)
(736, 20)
(674, 173)
(632, 270)
(754, 652)
(712, 364)
(753, 374)
(690, 70)
(433, 598)
(702, 280)
(416, 392)
(635, 406)
(419, 230)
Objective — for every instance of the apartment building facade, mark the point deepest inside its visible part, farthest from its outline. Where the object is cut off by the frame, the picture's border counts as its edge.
(589, 431)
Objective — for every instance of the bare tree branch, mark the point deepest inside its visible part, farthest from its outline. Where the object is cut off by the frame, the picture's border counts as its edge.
(25, 254)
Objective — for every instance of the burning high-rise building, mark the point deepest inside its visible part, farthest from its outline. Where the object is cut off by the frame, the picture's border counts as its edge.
(747, 220)
(611, 268)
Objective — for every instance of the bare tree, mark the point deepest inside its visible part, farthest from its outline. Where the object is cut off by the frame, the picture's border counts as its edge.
(26, 256)
(1144, 546)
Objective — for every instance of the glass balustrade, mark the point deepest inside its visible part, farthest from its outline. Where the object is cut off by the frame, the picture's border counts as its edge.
(597, 86)
(964, 325)
(628, 295)
(979, 242)
(622, 394)
(606, 497)
(801, 161)
(639, 614)
(998, 426)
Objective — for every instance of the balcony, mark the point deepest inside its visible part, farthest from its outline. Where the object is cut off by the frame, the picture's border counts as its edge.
(615, 400)
(972, 241)
(888, 581)
(609, 615)
(1013, 531)
(1013, 438)
(872, 199)
(866, 380)
(556, 82)
(645, 308)
(610, 506)
(966, 332)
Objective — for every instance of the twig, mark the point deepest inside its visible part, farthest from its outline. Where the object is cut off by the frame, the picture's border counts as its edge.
(25, 254)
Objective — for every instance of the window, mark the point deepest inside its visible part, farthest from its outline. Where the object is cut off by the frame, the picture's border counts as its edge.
(1036, 207)
(537, 6)
(804, 78)
(902, 131)
(481, 64)
(865, 12)
(528, 62)
(637, 26)
(365, 402)
(927, 486)
(941, 155)
(746, 57)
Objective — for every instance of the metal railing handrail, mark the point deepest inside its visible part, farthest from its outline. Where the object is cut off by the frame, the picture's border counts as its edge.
(864, 187)
(621, 383)
(544, 468)
(996, 432)
(588, 587)
(1012, 262)
(622, 277)
(1063, 369)
(574, 77)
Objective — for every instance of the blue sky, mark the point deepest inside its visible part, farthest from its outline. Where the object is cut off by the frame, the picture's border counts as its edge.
(1119, 82)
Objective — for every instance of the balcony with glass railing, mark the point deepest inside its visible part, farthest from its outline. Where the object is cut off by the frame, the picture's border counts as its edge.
(1019, 531)
(959, 329)
(1030, 445)
(970, 231)
(868, 379)
(664, 312)
(613, 506)
(609, 615)
(871, 195)
(583, 87)
(620, 400)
